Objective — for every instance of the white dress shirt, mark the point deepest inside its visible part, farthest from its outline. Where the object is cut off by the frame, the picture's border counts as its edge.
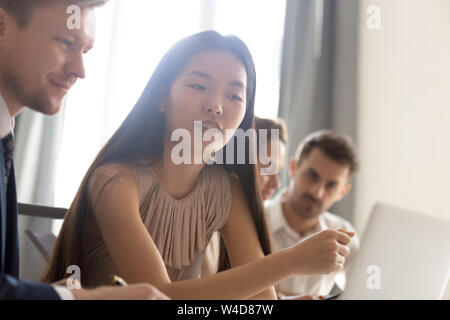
(7, 126)
(6, 121)
(283, 236)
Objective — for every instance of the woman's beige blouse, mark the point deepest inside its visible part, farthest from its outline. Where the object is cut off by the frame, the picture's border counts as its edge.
(181, 229)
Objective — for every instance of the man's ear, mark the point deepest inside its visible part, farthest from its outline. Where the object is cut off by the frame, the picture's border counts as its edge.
(292, 167)
(8, 25)
(346, 189)
(3, 23)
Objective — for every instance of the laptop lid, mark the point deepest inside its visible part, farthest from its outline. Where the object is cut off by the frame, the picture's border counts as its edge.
(403, 255)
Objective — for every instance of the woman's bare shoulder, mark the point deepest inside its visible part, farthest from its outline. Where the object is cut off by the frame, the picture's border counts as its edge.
(109, 176)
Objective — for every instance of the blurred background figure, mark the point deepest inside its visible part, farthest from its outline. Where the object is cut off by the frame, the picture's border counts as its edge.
(270, 183)
(320, 174)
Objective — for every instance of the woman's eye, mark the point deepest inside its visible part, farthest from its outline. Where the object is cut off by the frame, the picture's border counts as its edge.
(235, 97)
(311, 176)
(331, 186)
(197, 87)
(65, 42)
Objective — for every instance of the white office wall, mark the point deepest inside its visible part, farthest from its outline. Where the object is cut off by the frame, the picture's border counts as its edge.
(403, 133)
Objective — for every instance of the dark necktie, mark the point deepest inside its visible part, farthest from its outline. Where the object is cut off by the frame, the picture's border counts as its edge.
(8, 146)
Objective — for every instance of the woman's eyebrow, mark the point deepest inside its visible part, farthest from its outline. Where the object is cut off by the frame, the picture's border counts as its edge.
(237, 83)
(206, 76)
(200, 74)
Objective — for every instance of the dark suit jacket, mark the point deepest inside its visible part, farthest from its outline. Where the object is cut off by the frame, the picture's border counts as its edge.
(10, 286)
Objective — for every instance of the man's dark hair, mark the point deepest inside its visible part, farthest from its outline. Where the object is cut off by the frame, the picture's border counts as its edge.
(269, 124)
(22, 10)
(336, 146)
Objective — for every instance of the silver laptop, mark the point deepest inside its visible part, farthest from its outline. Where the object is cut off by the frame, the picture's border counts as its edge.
(403, 255)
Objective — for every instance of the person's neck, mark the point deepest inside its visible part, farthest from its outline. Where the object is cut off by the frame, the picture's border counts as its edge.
(294, 220)
(179, 180)
(12, 104)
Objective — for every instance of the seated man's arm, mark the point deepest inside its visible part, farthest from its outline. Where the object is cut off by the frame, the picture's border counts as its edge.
(15, 289)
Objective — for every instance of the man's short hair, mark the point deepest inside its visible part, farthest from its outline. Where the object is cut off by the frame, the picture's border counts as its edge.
(336, 146)
(22, 10)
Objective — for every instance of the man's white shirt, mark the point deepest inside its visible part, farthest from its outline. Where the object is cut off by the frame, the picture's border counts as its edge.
(6, 121)
(283, 236)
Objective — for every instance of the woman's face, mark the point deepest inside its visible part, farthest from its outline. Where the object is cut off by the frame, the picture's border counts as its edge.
(211, 89)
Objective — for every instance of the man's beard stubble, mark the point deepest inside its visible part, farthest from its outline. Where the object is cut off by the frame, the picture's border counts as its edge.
(302, 211)
(15, 84)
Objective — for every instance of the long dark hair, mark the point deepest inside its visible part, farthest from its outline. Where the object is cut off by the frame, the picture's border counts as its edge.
(140, 137)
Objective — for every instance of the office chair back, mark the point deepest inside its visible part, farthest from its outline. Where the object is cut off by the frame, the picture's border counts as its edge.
(38, 228)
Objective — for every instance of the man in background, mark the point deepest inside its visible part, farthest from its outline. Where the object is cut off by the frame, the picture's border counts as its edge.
(320, 176)
(41, 58)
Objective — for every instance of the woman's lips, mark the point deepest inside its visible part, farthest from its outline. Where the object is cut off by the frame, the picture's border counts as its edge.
(211, 124)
